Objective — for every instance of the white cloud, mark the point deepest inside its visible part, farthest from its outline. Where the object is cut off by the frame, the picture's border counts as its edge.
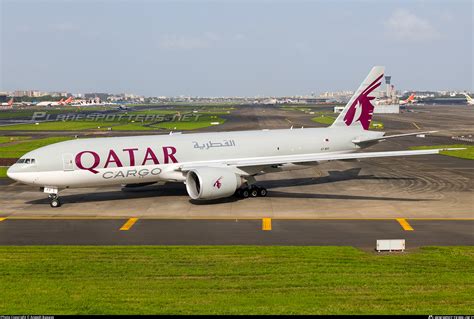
(406, 26)
(184, 42)
(239, 37)
(63, 27)
(24, 28)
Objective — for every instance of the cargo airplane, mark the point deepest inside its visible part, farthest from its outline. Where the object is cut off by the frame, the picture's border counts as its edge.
(211, 165)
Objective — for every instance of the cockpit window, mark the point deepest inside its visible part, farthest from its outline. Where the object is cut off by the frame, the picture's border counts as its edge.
(26, 161)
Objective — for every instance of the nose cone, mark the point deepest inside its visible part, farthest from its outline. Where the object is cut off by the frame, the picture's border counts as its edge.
(12, 172)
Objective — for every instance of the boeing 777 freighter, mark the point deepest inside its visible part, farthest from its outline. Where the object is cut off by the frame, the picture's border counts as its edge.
(212, 165)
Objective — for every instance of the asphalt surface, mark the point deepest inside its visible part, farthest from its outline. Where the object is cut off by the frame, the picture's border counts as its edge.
(358, 233)
(313, 206)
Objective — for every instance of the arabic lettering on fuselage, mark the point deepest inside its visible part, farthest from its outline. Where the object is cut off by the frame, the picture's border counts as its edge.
(210, 144)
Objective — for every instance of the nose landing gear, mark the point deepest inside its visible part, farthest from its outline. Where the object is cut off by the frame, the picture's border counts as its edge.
(54, 200)
(52, 195)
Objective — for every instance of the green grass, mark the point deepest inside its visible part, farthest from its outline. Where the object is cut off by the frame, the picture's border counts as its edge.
(468, 153)
(324, 119)
(191, 124)
(182, 111)
(204, 118)
(154, 112)
(8, 139)
(3, 171)
(203, 121)
(234, 280)
(50, 111)
(59, 126)
(17, 150)
(328, 120)
(132, 127)
(16, 114)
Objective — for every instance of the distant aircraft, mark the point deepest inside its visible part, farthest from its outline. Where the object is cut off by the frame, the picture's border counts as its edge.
(9, 104)
(50, 103)
(68, 101)
(91, 102)
(55, 103)
(122, 107)
(469, 99)
(410, 99)
(211, 165)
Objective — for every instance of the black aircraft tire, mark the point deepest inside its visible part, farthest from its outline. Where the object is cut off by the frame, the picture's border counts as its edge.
(55, 203)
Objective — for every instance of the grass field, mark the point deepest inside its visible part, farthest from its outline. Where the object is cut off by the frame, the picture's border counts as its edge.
(28, 113)
(234, 280)
(324, 119)
(18, 149)
(328, 120)
(186, 110)
(154, 112)
(8, 139)
(17, 113)
(3, 171)
(468, 153)
(59, 126)
(193, 121)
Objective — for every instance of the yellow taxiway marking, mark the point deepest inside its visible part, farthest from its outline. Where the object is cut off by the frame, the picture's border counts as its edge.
(129, 223)
(416, 125)
(2, 219)
(403, 222)
(39, 217)
(266, 224)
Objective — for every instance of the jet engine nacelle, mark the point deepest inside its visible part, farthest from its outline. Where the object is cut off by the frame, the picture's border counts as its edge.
(211, 183)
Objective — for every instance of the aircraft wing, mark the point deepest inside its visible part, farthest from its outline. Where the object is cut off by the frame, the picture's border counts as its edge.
(286, 159)
(361, 142)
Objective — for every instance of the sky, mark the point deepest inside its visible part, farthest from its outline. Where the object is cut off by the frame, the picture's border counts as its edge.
(233, 48)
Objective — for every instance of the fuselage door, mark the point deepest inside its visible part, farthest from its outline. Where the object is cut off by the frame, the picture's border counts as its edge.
(68, 162)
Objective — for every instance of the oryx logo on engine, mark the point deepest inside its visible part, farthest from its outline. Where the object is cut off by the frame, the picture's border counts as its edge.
(217, 183)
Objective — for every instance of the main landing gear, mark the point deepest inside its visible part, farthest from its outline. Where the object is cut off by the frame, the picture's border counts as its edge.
(252, 191)
(54, 200)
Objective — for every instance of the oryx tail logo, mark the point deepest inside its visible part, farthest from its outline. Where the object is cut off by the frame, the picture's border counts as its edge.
(218, 183)
(362, 109)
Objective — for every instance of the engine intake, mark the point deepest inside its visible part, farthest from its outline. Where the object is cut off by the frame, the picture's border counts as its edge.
(211, 183)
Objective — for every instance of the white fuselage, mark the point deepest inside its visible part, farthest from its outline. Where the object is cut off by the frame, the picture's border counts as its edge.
(142, 159)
